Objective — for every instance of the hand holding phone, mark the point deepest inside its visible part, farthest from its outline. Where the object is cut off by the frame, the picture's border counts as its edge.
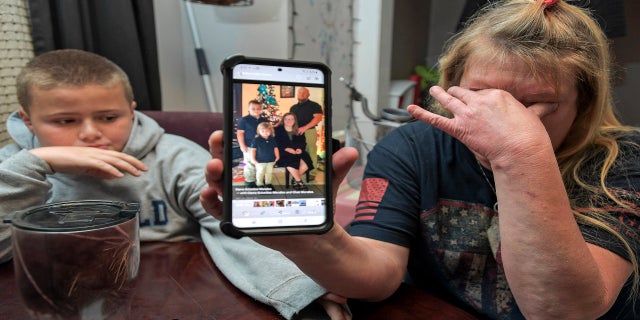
(271, 107)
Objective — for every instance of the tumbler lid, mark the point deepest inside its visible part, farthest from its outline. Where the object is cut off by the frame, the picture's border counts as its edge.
(75, 215)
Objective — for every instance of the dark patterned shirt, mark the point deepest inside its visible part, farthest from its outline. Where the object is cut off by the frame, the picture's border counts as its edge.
(424, 190)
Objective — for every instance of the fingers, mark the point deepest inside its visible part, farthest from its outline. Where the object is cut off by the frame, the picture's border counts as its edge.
(452, 99)
(334, 297)
(106, 164)
(335, 311)
(209, 196)
(335, 306)
(343, 160)
(90, 161)
(215, 144)
(210, 202)
(213, 172)
(438, 121)
(447, 100)
(114, 161)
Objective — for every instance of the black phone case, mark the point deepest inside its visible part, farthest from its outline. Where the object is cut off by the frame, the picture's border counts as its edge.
(226, 225)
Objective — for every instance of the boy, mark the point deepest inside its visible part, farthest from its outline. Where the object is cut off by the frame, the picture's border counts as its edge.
(247, 130)
(73, 142)
(78, 137)
(264, 154)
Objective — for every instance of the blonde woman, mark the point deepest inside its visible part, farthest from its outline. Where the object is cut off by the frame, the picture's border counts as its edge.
(521, 202)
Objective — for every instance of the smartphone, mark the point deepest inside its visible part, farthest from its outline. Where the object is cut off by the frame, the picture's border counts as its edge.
(260, 198)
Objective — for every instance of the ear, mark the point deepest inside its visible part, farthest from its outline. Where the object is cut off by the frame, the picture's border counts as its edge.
(133, 107)
(26, 119)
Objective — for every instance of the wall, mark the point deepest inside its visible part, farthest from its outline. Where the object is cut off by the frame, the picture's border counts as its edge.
(16, 48)
(389, 38)
(627, 82)
(372, 59)
(224, 31)
(285, 104)
(444, 17)
(411, 26)
(323, 32)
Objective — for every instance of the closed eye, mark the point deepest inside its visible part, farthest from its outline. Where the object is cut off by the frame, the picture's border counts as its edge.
(529, 104)
(109, 118)
(64, 121)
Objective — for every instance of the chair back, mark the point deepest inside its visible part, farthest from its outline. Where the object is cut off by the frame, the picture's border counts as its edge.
(196, 126)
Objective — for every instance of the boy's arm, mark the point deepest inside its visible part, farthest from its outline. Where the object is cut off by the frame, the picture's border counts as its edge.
(241, 141)
(273, 279)
(101, 163)
(23, 184)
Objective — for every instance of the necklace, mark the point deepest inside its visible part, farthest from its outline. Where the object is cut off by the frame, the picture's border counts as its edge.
(495, 205)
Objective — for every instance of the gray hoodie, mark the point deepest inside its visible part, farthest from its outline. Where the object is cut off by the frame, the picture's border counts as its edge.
(168, 194)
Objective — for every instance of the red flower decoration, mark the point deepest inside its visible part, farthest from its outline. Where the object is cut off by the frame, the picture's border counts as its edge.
(549, 2)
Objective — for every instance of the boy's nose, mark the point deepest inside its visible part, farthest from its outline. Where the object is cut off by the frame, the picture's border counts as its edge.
(89, 131)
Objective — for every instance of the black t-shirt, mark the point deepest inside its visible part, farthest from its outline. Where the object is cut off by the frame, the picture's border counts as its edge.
(304, 111)
(249, 125)
(424, 190)
(265, 149)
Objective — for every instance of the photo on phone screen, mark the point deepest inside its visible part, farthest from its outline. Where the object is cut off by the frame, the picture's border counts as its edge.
(276, 161)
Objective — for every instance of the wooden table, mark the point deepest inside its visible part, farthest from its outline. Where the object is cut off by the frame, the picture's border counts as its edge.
(179, 281)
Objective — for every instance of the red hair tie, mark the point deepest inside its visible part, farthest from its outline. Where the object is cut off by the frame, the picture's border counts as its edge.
(549, 2)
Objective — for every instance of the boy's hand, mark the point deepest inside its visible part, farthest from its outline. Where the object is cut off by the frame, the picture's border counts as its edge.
(106, 164)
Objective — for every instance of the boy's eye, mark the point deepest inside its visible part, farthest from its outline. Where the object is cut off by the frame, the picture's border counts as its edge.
(64, 121)
(109, 118)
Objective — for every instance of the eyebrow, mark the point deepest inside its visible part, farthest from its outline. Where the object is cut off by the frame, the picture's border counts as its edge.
(543, 94)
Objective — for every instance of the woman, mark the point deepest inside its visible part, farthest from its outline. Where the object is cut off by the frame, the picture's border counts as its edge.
(523, 202)
(292, 145)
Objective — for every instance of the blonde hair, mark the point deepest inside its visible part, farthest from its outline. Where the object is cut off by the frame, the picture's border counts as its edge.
(559, 39)
(69, 68)
(265, 125)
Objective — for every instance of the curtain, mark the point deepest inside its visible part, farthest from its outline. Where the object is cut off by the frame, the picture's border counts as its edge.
(121, 30)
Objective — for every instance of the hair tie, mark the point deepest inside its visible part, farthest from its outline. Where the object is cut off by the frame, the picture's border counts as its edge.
(547, 3)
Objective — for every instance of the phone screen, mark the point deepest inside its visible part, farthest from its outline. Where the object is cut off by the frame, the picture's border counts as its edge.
(271, 111)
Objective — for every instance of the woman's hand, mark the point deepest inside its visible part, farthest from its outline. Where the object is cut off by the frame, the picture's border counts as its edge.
(491, 122)
(209, 197)
(335, 306)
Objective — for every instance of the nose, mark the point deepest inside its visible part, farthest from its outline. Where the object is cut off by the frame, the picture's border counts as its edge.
(89, 131)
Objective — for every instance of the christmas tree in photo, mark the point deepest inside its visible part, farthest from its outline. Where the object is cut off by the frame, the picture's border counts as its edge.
(270, 108)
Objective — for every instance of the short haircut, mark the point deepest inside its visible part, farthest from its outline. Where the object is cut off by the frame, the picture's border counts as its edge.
(265, 125)
(69, 68)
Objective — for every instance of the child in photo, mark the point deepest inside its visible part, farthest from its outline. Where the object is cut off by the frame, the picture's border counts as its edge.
(246, 132)
(264, 154)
